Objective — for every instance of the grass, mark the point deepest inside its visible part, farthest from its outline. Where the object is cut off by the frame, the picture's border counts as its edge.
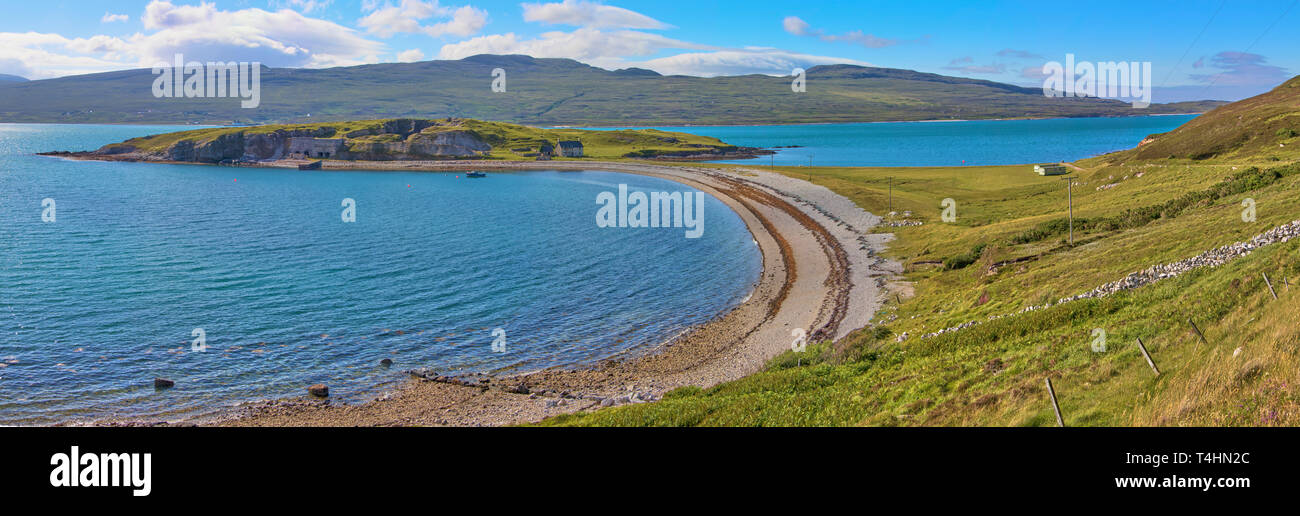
(1008, 250)
(503, 137)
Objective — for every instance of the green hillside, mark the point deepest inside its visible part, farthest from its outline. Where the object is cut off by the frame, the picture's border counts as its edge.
(1266, 126)
(1006, 264)
(550, 92)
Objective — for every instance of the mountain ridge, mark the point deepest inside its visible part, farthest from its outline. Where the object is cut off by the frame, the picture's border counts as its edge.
(551, 92)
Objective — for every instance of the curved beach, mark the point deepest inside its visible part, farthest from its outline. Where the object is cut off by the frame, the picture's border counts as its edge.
(820, 274)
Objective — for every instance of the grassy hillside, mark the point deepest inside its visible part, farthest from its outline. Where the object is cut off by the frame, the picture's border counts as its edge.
(550, 92)
(508, 141)
(1266, 126)
(1008, 251)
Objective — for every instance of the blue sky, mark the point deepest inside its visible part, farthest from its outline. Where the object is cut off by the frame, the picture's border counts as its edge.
(1225, 49)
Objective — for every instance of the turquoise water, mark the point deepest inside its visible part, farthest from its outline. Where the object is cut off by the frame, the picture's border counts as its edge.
(925, 144)
(96, 304)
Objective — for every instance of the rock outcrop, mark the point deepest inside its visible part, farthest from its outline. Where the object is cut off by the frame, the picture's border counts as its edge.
(403, 139)
(460, 144)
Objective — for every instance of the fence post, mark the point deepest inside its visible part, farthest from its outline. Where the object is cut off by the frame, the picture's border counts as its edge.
(1270, 286)
(1056, 407)
(1148, 356)
(1198, 331)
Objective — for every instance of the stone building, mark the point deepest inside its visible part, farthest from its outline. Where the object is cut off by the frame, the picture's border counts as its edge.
(315, 147)
(571, 149)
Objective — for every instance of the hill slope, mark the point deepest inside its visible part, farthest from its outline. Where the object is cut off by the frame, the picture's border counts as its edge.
(1001, 298)
(1264, 126)
(552, 92)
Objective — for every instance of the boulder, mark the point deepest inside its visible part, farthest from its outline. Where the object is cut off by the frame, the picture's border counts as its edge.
(163, 383)
(319, 390)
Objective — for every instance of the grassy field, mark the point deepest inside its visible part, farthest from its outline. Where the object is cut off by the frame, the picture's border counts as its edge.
(1008, 250)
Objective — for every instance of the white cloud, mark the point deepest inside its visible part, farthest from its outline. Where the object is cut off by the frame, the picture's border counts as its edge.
(281, 38)
(605, 39)
(202, 32)
(303, 6)
(37, 55)
(612, 50)
(796, 26)
(740, 62)
(110, 18)
(410, 56)
(592, 46)
(405, 18)
(465, 21)
(604, 36)
(582, 13)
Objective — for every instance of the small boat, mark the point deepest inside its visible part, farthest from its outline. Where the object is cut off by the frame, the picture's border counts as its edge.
(315, 165)
(476, 174)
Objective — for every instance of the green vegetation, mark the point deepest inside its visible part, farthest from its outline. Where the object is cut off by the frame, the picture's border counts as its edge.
(1002, 255)
(508, 141)
(548, 92)
(1261, 127)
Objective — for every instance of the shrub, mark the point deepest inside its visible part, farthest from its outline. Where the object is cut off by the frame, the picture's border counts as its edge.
(962, 261)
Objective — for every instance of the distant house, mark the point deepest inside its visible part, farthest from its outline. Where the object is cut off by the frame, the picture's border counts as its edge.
(546, 149)
(1050, 169)
(571, 149)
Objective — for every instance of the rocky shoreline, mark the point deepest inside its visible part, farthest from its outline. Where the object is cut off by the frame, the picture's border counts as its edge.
(821, 272)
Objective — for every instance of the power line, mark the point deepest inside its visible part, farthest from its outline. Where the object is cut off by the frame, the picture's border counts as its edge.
(1215, 77)
(1193, 45)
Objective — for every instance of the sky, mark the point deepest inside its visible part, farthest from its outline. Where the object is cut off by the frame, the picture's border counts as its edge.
(1211, 49)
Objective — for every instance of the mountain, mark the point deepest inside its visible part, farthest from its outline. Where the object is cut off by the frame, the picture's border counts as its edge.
(552, 92)
(4, 77)
(1265, 126)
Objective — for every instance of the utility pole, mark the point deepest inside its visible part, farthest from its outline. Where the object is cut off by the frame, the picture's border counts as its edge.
(810, 157)
(891, 194)
(1069, 188)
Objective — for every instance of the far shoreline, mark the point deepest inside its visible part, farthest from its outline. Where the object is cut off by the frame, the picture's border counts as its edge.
(642, 126)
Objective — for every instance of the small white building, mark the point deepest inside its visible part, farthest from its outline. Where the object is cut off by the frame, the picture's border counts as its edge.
(1051, 169)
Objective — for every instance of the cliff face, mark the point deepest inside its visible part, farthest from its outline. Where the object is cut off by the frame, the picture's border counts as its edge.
(395, 140)
(460, 144)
